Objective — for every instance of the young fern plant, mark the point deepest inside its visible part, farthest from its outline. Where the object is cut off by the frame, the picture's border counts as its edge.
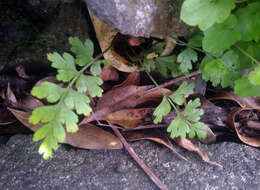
(187, 121)
(66, 102)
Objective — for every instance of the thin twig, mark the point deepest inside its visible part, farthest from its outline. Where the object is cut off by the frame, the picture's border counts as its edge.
(142, 127)
(146, 169)
(173, 81)
(109, 125)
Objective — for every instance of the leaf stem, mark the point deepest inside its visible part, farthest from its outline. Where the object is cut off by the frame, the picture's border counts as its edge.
(195, 48)
(79, 73)
(162, 91)
(247, 54)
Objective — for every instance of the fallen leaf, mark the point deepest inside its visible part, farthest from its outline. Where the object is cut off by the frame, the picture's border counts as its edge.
(251, 102)
(10, 97)
(93, 137)
(152, 135)
(253, 141)
(23, 117)
(116, 99)
(88, 136)
(129, 118)
(109, 73)
(124, 93)
(132, 79)
(188, 145)
(153, 96)
(30, 103)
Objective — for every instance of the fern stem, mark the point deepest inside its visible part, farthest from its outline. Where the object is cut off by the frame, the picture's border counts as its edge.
(192, 47)
(80, 72)
(164, 94)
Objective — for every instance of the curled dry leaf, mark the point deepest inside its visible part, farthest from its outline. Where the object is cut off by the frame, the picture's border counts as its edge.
(152, 135)
(88, 136)
(188, 145)
(251, 102)
(93, 137)
(130, 118)
(109, 73)
(239, 119)
(253, 141)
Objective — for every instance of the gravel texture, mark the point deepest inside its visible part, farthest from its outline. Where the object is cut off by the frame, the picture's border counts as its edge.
(22, 168)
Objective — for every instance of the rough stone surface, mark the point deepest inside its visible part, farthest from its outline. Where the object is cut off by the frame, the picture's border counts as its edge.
(30, 48)
(24, 169)
(147, 18)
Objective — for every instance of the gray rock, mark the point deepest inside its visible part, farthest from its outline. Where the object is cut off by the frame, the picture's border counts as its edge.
(22, 168)
(68, 20)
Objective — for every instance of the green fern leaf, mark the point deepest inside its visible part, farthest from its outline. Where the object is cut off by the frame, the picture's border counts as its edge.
(84, 52)
(64, 64)
(90, 84)
(162, 110)
(78, 101)
(185, 58)
(184, 89)
(48, 90)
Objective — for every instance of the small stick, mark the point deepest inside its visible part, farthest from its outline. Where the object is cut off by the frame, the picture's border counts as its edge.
(173, 81)
(142, 127)
(131, 151)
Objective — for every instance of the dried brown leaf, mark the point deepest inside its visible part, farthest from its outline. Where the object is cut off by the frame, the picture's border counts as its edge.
(132, 79)
(251, 102)
(152, 135)
(88, 136)
(188, 145)
(23, 117)
(93, 137)
(153, 96)
(129, 118)
(253, 141)
(109, 73)
(30, 103)
(117, 99)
